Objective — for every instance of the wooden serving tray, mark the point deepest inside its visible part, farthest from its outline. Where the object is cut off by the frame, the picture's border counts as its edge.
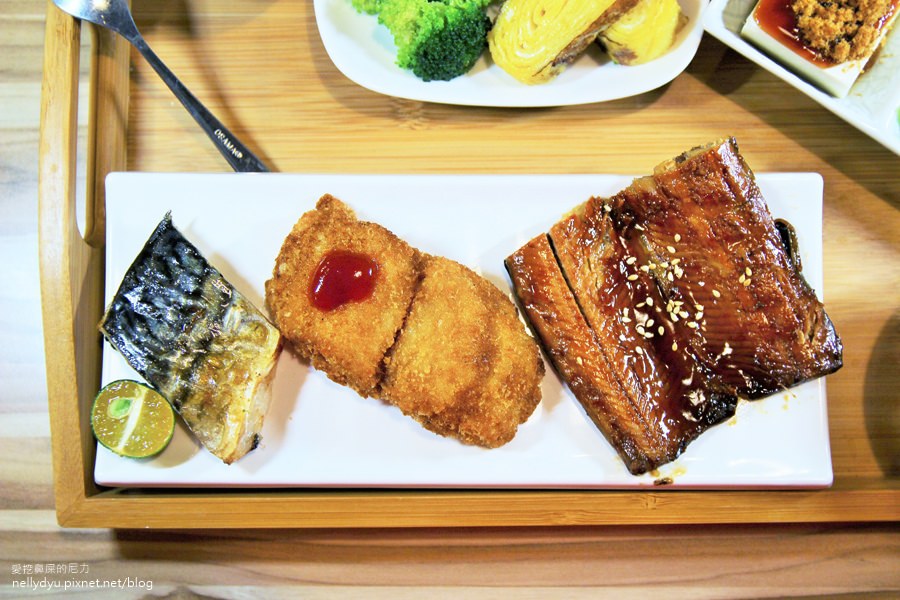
(72, 265)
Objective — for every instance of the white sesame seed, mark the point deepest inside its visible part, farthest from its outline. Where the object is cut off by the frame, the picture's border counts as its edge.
(649, 323)
(675, 261)
(626, 320)
(632, 277)
(693, 325)
(669, 276)
(640, 305)
(664, 265)
(649, 301)
(639, 350)
(630, 260)
(746, 282)
(716, 293)
(699, 315)
(579, 360)
(683, 314)
(677, 237)
(674, 346)
(699, 307)
(671, 249)
(749, 272)
(679, 272)
(742, 278)
(661, 330)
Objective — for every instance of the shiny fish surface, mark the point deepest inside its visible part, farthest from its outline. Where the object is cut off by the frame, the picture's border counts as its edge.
(665, 304)
(193, 336)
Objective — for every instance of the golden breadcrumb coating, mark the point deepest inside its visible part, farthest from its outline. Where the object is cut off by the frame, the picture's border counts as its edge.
(435, 339)
(347, 343)
(464, 366)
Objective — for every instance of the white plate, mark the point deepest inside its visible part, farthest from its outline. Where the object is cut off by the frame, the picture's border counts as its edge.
(364, 51)
(318, 433)
(873, 104)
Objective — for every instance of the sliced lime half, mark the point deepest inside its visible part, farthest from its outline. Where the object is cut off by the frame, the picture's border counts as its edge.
(132, 419)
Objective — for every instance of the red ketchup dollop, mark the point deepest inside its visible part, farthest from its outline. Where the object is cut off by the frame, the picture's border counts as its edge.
(342, 277)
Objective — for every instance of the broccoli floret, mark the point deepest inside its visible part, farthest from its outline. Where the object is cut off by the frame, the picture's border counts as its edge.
(435, 39)
(367, 6)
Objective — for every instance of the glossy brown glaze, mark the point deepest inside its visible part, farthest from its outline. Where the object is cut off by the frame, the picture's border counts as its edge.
(618, 296)
(578, 356)
(776, 18)
(664, 304)
(761, 328)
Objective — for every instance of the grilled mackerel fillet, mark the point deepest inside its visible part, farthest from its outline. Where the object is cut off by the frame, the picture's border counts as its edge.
(196, 339)
(663, 305)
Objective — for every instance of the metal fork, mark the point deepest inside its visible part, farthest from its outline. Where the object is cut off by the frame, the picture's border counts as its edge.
(115, 15)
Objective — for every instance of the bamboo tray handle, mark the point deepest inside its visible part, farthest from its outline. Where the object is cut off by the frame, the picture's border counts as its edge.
(71, 264)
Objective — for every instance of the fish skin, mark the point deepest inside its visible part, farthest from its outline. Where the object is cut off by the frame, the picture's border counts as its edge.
(179, 323)
(738, 319)
(613, 293)
(775, 328)
(578, 356)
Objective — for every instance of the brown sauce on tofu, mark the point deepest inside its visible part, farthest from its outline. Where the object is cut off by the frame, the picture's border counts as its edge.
(776, 18)
(826, 34)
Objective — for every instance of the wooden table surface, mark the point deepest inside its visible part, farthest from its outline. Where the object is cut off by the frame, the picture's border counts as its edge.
(260, 65)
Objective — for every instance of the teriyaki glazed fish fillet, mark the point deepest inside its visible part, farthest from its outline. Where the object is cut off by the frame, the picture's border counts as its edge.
(197, 340)
(665, 304)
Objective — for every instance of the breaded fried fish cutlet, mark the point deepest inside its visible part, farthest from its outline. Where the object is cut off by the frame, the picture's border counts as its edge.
(424, 333)
(463, 365)
(348, 344)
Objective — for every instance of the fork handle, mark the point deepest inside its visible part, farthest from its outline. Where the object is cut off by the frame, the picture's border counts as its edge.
(236, 153)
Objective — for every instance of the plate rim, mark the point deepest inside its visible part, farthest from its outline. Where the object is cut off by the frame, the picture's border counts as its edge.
(812, 181)
(526, 96)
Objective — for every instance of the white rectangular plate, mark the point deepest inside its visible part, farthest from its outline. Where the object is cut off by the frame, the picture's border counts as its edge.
(873, 103)
(364, 51)
(318, 433)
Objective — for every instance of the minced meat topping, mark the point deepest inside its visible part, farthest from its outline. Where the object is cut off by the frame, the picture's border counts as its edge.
(841, 30)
